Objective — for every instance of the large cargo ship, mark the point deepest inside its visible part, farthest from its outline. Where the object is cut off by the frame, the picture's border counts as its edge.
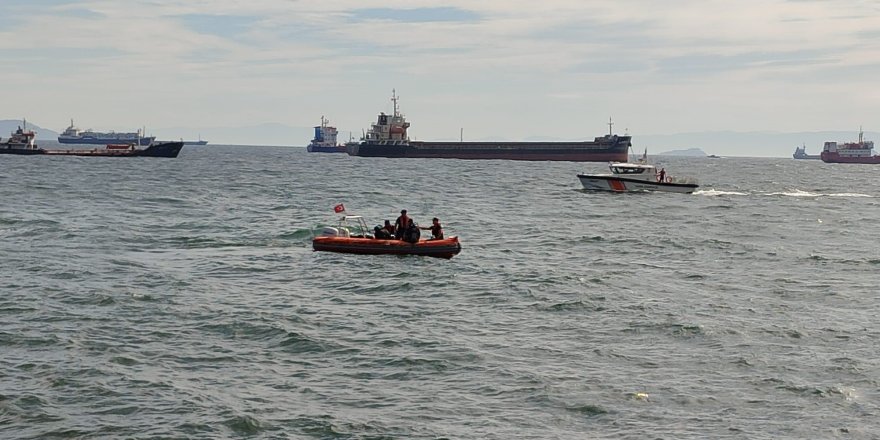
(850, 152)
(73, 135)
(388, 138)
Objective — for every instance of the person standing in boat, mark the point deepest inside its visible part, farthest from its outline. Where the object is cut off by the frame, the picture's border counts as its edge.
(436, 229)
(661, 176)
(401, 224)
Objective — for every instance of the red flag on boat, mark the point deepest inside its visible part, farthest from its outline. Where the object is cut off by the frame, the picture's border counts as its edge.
(339, 208)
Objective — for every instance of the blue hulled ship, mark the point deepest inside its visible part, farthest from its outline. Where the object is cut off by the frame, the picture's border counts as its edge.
(325, 139)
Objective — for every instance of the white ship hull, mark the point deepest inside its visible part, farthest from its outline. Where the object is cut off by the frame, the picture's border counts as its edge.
(620, 184)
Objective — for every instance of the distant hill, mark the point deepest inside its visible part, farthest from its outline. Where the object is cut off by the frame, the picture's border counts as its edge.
(753, 144)
(7, 126)
(691, 152)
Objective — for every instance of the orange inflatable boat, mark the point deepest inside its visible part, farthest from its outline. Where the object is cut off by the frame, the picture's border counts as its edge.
(341, 239)
(445, 248)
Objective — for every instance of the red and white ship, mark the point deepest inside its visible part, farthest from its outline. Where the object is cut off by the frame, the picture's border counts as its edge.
(850, 152)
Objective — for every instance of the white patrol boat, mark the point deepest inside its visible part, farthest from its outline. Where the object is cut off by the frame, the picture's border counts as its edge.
(637, 177)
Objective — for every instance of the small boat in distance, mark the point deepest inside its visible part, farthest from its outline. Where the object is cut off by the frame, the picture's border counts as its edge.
(73, 135)
(350, 236)
(850, 152)
(325, 139)
(801, 153)
(198, 142)
(628, 177)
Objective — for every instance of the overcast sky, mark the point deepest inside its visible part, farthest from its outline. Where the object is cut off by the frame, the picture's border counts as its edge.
(496, 68)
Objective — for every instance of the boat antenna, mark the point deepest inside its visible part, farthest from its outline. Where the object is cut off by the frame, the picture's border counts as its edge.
(610, 124)
(461, 135)
(394, 99)
(860, 134)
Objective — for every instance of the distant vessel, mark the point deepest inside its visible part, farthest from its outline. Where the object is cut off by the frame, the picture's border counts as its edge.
(388, 138)
(22, 143)
(198, 142)
(801, 153)
(850, 152)
(325, 139)
(73, 135)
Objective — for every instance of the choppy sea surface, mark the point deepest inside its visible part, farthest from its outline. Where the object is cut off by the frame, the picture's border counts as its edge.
(157, 298)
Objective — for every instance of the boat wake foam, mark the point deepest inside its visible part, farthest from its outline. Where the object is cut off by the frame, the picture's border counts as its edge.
(799, 193)
(794, 193)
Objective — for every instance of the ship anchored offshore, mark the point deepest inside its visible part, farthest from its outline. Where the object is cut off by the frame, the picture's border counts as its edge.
(388, 138)
(325, 139)
(73, 135)
(850, 152)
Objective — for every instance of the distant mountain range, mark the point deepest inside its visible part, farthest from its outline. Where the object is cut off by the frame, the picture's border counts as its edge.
(725, 143)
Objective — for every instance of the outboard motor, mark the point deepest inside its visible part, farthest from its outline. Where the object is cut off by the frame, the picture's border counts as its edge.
(329, 231)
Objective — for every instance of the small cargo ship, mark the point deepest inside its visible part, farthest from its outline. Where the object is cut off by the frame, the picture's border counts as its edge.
(73, 135)
(801, 153)
(22, 143)
(325, 139)
(388, 138)
(850, 152)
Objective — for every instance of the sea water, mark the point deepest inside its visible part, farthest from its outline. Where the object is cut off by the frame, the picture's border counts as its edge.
(180, 298)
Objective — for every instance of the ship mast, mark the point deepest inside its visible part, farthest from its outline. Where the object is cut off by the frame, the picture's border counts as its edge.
(860, 134)
(610, 124)
(394, 99)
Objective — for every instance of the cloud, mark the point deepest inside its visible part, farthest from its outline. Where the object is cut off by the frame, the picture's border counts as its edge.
(415, 15)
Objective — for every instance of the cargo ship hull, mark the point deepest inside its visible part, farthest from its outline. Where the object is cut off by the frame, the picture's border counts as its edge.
(165, 149)
(611, 151)
(837, 158)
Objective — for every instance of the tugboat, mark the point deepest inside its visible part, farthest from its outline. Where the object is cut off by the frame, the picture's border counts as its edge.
(801, 153)
(850, 152)
(21, 142)
(325, 139)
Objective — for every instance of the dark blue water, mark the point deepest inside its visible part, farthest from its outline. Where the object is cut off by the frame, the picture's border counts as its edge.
(155, 298)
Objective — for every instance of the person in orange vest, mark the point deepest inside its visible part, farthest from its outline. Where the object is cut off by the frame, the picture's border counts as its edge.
(400, 224)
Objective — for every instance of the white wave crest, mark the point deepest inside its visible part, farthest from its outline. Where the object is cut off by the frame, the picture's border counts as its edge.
(715, 192)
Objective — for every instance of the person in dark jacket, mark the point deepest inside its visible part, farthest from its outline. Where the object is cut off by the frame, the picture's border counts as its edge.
(412, 233)
(381, 234)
